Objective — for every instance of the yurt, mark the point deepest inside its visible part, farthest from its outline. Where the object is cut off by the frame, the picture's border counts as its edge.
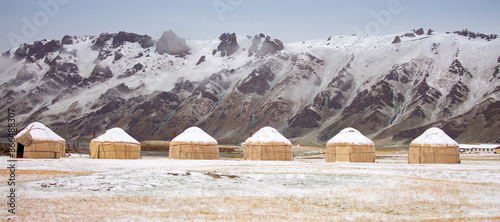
(268, 144)
(349, 145)
(115, 144)
(433, 146)
(194, 143)
(39, 142)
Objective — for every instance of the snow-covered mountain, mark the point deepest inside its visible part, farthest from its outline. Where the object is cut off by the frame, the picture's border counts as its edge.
(390, 88)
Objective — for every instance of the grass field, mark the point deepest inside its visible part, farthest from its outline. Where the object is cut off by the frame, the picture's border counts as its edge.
(157, 188)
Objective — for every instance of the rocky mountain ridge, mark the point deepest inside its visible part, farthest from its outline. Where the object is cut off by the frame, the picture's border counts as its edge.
(232, 86)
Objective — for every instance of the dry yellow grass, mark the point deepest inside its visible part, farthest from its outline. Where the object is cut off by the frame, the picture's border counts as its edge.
(32, 175)
(351, 204)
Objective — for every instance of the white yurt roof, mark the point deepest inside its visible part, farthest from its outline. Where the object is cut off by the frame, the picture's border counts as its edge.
(352, 136)
(435, 136)
(115, 135)
(267, 134)
(38, 131)
(195, 135)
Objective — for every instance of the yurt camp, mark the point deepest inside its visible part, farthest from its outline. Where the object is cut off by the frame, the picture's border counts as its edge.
(39, 142)
(115, 143)
(349, 145)
(268, 144)
(194, 143)
(434, 146)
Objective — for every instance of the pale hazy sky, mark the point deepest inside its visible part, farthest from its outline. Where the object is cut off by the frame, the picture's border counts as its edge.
(287, 20)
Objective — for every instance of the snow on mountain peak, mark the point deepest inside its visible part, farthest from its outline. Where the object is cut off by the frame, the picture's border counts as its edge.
(235, 84)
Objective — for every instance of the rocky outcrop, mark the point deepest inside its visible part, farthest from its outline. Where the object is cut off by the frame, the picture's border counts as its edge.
(257, 81)
(455, 98)
(474, 35)
(67, 40)
(64, 73)
(396, 40)
(229, 44)
(171, 44)
(202, 59)
(122, 37)
(256, 41)
(420, 31)
(37, 50)
(98, 74)
(268, 47)
(307, 118)
(411, 35)
(100, 41)
(457, 68)
(118, 56)
(118, 39)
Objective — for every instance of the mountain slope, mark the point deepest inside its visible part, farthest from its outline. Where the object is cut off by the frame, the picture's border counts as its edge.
(235, 85)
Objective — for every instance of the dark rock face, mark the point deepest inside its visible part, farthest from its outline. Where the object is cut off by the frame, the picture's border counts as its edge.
(171, 44)
(374, 121)
(67, 40)
(396, 40)
(457, 68)
(103, 54)
(37, 50)
(474, 35)
(270, 47)
(183, 85)
(455, 98)
(118, 56)
(256, 41)
(420, 31)
(99, 74)
(307, 118)
(409, 35)
(457, 93)
(65, 73)
(202, 59)
(430, 31)
(257, 81)
(100, 42)
(379, 96)
(138, 67)
(229, 44)
(426, 94)
(122, 37)
(334, 97)
(129, 72)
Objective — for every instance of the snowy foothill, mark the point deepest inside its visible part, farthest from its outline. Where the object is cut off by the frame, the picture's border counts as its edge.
(350, 135)
(267, 134)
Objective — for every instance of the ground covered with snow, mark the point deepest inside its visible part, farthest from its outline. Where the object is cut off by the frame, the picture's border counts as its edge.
(308, 188)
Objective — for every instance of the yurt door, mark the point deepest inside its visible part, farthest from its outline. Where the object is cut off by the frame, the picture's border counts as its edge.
(20, 150)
